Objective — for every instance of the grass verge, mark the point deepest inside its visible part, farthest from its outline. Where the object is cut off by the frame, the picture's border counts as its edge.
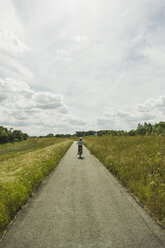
(21, 175)
(11, 150)
(139, 163)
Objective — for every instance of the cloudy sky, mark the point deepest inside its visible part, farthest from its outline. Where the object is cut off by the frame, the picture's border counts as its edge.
(69, 65)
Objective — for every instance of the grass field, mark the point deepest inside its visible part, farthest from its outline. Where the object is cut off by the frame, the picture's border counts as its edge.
(23, 167)
(139, 163)
(12, 150)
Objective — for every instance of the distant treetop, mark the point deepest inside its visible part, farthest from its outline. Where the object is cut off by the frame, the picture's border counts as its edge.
(11, 135)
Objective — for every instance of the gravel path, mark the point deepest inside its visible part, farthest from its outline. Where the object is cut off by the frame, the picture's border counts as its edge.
(82, 205)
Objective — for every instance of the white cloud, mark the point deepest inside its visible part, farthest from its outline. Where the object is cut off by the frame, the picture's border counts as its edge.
(23, 108)
(90, 53)
(76, 122)
(13, 47)
(150, 111)
(106, 123)
(10, 43)
(79, 38)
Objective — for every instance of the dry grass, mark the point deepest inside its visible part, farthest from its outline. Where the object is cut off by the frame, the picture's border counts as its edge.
(139, 163)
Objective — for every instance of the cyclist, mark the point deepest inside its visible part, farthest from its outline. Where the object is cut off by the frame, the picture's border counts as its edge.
(80, 143)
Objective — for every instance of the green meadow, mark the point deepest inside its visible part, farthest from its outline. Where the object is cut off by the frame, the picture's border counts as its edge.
(139, 163)
(10, 150)
(23, 166)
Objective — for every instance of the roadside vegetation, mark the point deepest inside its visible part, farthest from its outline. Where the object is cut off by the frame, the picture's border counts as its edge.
(139, 163)
(11, 150)
(23, 166)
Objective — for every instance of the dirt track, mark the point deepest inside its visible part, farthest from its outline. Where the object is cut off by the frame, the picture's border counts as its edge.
(82, 205)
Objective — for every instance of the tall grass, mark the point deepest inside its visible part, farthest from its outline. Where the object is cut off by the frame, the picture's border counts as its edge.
(31, 144)
(21, 175)
(139, 162)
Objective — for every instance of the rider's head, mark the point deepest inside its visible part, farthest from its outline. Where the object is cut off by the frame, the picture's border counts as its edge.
(80, 138)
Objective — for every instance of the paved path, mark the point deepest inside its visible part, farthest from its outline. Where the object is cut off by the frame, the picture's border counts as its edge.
(82, 205)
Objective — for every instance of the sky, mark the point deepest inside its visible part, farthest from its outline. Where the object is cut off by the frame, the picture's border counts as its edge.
(67, 66)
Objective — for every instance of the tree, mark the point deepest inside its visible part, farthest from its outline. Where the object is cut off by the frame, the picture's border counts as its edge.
(11, 135)
(50, 135)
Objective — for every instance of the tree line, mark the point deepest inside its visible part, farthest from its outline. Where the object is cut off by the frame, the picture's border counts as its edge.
(142, 129)
(11, 135)
(51, 135)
